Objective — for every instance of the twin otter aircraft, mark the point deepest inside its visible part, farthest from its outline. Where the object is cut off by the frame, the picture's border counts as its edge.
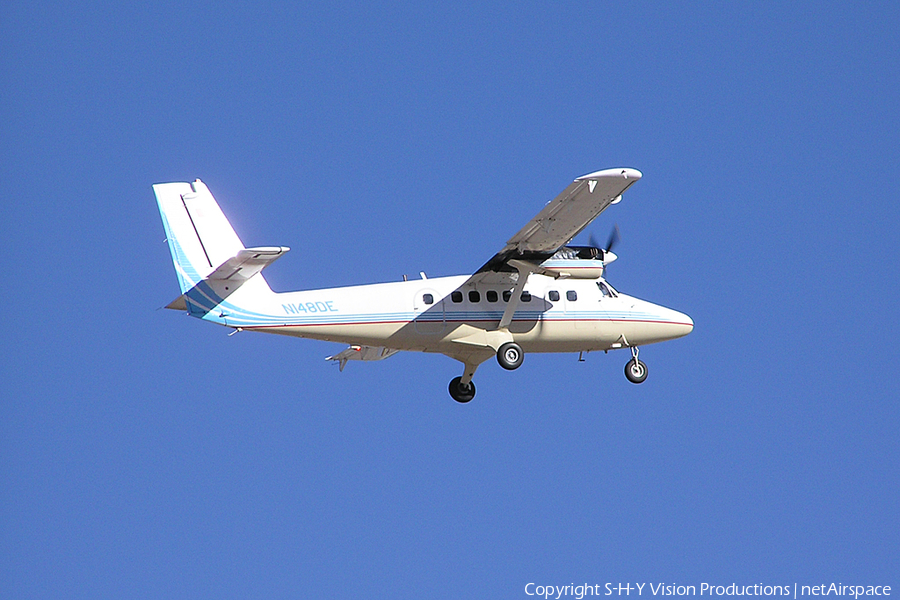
(535, 295)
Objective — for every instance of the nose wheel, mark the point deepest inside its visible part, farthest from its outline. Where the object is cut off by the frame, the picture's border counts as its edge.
(635, 370)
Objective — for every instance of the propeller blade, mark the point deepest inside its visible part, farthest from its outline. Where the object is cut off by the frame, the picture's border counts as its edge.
(613, 238)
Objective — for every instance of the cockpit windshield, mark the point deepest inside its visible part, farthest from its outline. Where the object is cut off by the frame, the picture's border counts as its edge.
(607, 290)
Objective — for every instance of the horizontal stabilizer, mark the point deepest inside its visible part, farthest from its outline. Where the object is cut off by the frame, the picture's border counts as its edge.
(361, 353)
(247, 263)
(227, 278)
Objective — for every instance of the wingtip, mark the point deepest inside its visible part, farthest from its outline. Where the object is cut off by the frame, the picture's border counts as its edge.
(623, 172)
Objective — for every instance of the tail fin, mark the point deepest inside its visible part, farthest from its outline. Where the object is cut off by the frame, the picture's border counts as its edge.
(210, 261)
(200, 237)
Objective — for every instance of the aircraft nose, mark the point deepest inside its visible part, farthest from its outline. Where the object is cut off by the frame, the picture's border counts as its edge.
(663, 323)
(673, 324)
(684, 323)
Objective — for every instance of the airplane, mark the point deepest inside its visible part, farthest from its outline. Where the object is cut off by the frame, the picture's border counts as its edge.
(537, 294)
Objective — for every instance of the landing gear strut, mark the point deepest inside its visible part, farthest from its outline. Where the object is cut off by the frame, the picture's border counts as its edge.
(462, 393)
(635, 370)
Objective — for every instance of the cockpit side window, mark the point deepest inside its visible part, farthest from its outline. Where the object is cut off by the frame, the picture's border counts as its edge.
(606, 289)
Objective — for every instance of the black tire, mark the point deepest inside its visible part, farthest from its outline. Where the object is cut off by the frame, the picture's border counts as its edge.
(461, 393)
(510, 356)
(635, 371)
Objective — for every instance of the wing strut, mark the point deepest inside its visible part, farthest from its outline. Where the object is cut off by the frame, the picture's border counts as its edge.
(525, 269)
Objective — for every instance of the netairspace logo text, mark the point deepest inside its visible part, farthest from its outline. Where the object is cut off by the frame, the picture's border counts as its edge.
(794, 590)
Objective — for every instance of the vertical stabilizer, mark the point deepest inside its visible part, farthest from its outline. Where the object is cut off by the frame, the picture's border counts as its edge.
(220, 279)
(200, 237)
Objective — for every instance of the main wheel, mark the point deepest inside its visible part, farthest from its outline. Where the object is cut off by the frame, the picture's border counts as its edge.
(636, 371)
(461, 393)
(510, 356)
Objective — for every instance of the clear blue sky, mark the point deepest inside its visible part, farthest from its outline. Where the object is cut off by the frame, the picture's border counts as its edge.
(147, 455)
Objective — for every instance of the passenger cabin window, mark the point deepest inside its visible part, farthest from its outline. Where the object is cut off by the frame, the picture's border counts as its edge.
(427, 298)
(474, 296)
(526, 297)
(571, 296)
(491, 296)
(456, 297)
(507, 295)
(554, 296)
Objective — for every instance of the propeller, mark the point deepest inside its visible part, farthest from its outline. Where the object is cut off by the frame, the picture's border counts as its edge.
(613, 240)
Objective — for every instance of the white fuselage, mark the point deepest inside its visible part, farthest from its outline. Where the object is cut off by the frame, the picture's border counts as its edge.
(434, 315)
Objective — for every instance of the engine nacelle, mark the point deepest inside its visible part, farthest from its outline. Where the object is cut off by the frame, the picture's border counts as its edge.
(577, 268)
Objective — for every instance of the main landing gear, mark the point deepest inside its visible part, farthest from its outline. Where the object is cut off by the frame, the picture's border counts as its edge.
(510, 356)
(635, 370)
(462, 389)
(462, 393)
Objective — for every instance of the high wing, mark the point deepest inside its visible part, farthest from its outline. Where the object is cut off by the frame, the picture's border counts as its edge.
(561, 219)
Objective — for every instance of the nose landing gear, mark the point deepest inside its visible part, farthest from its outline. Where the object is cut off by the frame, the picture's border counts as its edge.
(635, 370)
